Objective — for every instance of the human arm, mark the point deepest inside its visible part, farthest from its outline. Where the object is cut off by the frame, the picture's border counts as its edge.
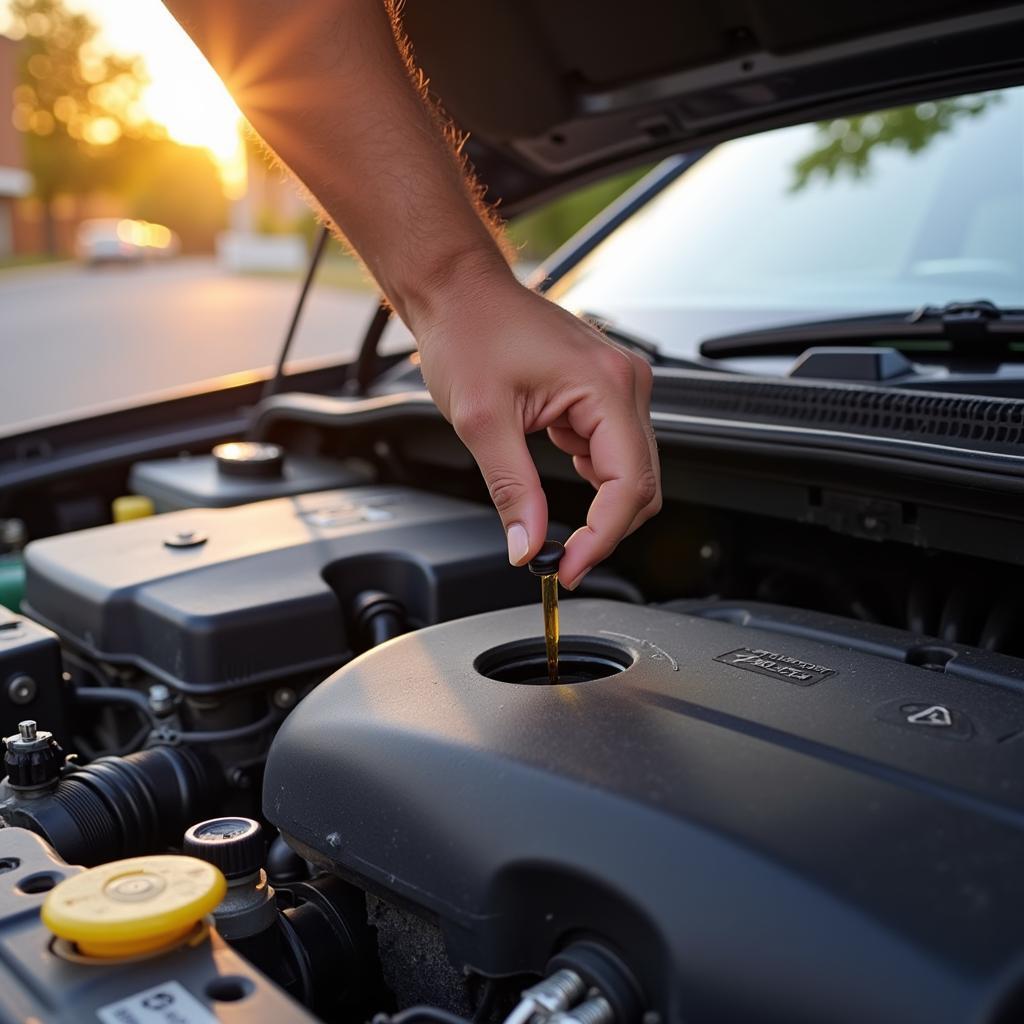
(325, 84)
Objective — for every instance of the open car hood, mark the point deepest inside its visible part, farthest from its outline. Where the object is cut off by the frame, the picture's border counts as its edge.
(558, 92)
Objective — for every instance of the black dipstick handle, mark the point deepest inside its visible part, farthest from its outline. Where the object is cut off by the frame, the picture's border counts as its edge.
(546, 560)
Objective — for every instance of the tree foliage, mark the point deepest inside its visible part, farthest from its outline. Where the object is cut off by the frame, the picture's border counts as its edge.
(175, 185)
(73, 103)
(848, 144)
(537, 234)
(87, 130)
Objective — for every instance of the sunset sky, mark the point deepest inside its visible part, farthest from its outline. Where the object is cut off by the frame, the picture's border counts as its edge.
(184, 95)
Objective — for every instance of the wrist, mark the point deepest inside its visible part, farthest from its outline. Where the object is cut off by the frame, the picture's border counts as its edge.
(462, 281)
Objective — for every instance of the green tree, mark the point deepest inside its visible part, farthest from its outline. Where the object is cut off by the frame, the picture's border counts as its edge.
(847, 144)
(74, 104)
(539, 233)
(175, 185)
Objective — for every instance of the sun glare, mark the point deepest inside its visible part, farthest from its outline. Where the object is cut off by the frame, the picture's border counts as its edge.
(184, 94)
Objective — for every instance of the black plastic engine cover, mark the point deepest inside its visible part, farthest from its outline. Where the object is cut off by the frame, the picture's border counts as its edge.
(765, 828)
(211, 599)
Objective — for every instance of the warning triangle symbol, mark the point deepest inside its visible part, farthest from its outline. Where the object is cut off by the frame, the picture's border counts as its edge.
(935, 715)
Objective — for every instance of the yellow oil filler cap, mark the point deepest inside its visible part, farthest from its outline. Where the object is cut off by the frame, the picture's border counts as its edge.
(131, 506)
(133, 906)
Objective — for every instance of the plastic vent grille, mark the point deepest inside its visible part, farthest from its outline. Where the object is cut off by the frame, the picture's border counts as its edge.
(959, 421)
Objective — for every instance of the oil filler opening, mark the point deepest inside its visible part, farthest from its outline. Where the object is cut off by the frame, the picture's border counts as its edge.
(580, 659)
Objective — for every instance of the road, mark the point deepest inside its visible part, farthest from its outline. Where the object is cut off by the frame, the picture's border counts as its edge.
(74, 339)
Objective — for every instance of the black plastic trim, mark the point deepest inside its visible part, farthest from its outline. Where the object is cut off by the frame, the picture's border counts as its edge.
(842, 420)
(979, 57)
(953, 421)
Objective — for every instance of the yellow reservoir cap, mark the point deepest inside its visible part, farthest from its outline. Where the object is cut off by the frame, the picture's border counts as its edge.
(133, 906)
(131, 506)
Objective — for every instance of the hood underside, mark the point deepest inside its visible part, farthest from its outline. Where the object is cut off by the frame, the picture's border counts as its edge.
(557, 92)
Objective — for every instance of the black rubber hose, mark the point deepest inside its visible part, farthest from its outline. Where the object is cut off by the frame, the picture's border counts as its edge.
(130, 746)
(284, 864)
(384, 626)
(379, 617)
(121, 806)
(105, 695)
(113, 695)
(239, 732)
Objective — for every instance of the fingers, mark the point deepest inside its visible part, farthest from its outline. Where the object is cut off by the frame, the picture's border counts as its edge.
(585, 468)
(627, 492)
(644, 387)
(568, 440)
(496, 439)
(621, 463)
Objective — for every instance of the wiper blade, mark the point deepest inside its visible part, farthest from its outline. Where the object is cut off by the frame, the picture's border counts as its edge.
(976, 330)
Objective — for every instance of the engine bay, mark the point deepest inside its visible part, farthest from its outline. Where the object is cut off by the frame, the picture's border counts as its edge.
(779, 780)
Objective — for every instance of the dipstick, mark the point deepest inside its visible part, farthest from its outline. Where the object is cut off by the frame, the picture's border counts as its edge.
(549, 596)
(545, 565)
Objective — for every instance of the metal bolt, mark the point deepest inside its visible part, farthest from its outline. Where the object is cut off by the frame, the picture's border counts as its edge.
(558, 991)
(161, 700)
(13, 534)
(27, 729)
(21, 689)
(185, 539)
(595, 1010)
(710, 551)
(238, 778)
(284, 698)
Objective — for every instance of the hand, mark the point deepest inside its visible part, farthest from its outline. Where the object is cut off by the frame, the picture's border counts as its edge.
(499, 360)
(504, 362)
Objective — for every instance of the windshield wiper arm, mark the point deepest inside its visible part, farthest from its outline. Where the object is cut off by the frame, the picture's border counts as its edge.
(977, 330)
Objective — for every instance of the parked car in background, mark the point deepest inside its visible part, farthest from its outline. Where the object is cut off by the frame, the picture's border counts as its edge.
(123, 240)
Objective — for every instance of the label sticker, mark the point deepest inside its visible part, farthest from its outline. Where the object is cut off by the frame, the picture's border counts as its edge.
(169, 1003)
(927, 719)
(781, 666)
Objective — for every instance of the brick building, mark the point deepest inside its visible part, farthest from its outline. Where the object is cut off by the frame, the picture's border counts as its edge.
(14, 179)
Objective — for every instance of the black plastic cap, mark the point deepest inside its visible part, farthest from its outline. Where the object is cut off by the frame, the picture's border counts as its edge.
(35, 764)
(251, 459)
(547, 559)
(235, 845)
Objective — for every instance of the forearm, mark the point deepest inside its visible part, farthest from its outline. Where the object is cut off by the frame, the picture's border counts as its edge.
(324, 84)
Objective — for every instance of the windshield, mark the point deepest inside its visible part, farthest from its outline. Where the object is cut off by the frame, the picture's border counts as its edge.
(881, 212)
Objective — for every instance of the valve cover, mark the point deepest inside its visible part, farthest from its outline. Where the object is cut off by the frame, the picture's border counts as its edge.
(763, 827)
(212, 599)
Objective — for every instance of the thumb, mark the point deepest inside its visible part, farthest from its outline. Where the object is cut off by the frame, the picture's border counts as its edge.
(498, 443)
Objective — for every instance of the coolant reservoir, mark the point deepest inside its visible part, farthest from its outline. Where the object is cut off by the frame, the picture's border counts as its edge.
(131, 506)
(134, 906)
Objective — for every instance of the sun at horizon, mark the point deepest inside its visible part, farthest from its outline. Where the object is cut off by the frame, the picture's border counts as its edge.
(184, 94)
